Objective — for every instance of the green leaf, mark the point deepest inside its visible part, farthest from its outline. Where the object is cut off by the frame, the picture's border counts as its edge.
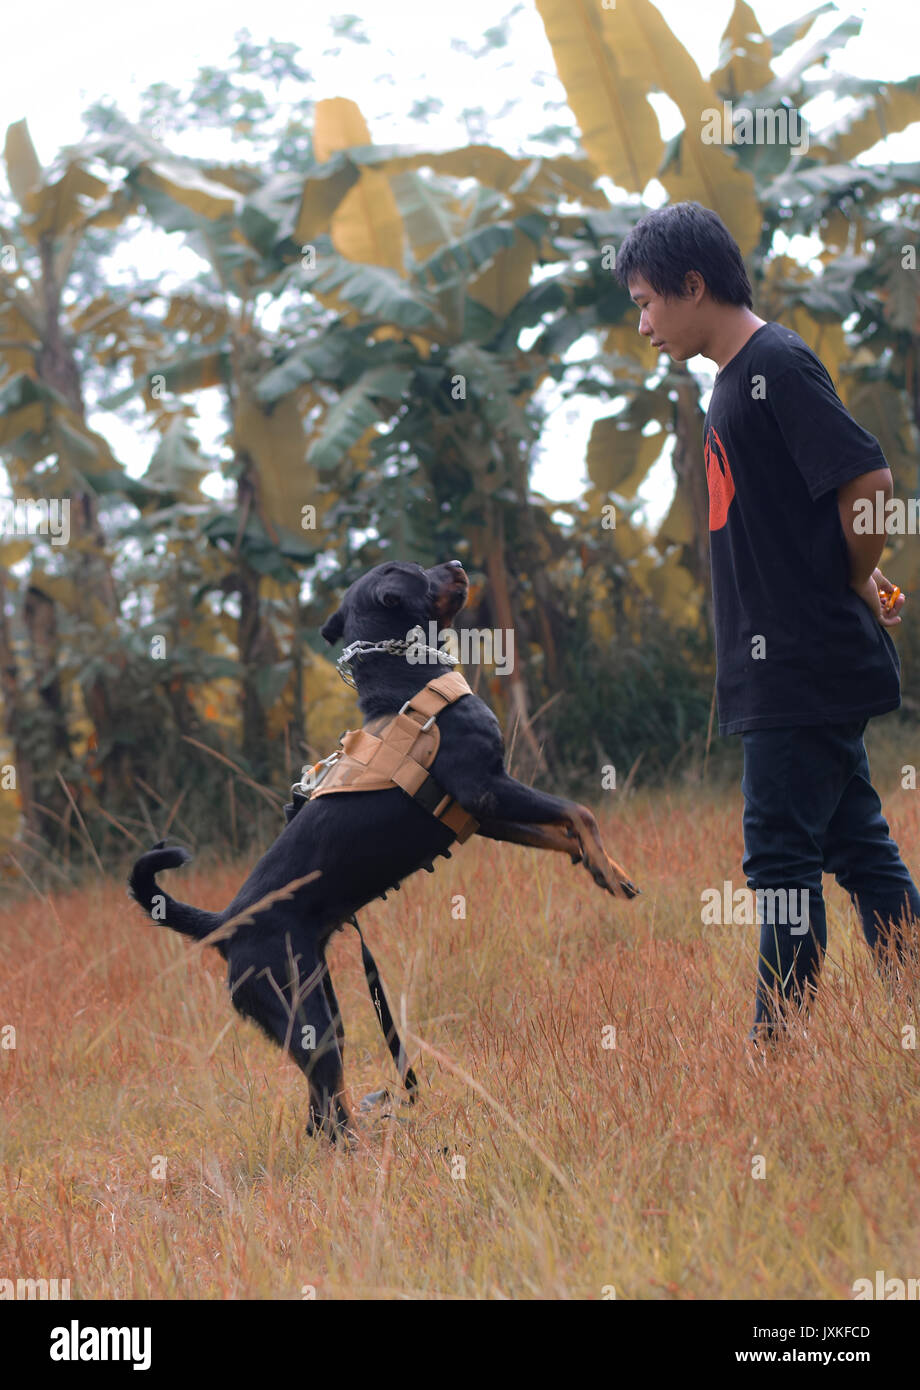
(376, 291)
(270, 681)
(619, 455)
(176, 464)
(323, 189)
(428, 210)
(260, 551)
(56, 207)
(465, 254)
(193, 371)
(480, 325)
(269, 215)
(355, 411)
(323, 357)
(784, 38)
(24, 408)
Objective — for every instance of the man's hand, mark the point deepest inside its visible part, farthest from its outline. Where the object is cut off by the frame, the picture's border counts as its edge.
(869, 592)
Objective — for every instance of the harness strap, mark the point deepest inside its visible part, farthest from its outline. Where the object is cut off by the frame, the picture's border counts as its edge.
(388, 1027)
(399, 755)
(439, 693)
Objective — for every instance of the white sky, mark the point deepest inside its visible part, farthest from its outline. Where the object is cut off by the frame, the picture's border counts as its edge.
(58, 57)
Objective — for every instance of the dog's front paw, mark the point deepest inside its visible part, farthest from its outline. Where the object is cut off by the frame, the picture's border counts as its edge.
(612, 878)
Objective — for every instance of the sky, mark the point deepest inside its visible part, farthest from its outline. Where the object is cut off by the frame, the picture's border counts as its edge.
(58, 57)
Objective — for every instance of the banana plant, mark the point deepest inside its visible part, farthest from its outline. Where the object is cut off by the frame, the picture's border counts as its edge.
(431, 396)
(51, 453)
(610, 60)
(393, 282)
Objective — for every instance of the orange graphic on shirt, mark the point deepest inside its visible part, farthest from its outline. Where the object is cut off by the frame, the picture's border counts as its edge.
(720, 481)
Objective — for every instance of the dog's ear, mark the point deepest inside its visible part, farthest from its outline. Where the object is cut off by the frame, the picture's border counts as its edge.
(389, 593)
(333, 627)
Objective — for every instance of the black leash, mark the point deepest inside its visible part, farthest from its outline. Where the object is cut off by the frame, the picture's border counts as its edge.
(387, 1025)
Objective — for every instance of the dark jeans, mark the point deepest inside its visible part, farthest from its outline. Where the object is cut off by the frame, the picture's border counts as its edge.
(809, 806)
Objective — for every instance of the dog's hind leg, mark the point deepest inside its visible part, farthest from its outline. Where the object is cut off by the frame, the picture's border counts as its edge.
(334, 1011)
(288, 1000)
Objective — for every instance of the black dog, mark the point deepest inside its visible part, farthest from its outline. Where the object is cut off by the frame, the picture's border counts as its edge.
(341, 851)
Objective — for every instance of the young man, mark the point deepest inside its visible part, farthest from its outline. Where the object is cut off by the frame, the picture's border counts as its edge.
(803, 655)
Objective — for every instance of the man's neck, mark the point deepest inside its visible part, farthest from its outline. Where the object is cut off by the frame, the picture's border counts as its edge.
(729, 338)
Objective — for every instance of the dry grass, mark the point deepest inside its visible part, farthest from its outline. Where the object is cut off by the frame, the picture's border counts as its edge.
(585, 1166)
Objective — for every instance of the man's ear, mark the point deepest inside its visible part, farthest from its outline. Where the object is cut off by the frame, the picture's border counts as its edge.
(333, 627)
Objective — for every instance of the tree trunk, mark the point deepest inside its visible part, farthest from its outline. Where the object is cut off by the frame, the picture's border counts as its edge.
(94, 585)
(41, 624)
(251, 642)
(52, 740)
(504, 618)
(257, 649)
(13, 716)
(298, 724)
(541, 587)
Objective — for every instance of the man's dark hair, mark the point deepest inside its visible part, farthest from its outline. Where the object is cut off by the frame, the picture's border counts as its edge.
(673, 240)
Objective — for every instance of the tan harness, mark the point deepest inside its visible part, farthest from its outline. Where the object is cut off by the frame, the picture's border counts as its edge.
(397, 750)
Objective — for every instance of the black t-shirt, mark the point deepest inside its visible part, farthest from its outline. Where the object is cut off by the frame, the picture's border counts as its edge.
(794, 643)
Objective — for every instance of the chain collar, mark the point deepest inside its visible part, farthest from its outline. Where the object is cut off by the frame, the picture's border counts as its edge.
(395, 646)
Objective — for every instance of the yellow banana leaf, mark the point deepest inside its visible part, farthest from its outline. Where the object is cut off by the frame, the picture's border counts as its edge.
(285, 481)
(882, 409)
(630, 541)
(744, 55)
(773, 302)
(625, 340)
(507, 279)
(893, 106)
(18, 422)
(527, 182)
(12, 551)
(15, 327)
(366, 226)
(618, 458)
(704, 173)
(22, 165)
(58, 206)
(329, 705)
(672, 587)
(63, 591)
(187, 186)
(677, 526)
(608, 61)
(606, 90)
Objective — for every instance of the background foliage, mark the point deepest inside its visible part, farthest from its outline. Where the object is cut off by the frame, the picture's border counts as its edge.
(380, 326)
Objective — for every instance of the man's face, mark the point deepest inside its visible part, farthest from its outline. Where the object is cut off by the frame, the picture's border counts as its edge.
(673, 325)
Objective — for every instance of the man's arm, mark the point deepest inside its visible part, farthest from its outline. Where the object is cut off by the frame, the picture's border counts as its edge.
(865, 547)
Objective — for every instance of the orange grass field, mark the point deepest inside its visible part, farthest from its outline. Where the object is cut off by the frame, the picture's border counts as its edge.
(587, 1168)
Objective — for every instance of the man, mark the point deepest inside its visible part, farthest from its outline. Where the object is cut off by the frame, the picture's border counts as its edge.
(803, 655)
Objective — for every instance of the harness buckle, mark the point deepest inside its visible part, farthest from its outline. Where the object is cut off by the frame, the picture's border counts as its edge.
(422, 727)
(310, 776)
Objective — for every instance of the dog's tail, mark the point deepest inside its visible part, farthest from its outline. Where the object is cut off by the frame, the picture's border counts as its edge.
(143, 887)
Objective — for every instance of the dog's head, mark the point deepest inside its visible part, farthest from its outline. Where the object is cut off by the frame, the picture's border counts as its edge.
(395, 597)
